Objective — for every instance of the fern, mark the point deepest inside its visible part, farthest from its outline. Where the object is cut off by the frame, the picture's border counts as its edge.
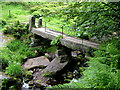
(56, 41)
(102, 71)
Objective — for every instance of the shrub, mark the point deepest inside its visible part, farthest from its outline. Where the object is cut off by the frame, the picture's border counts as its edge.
(15, 52)
(3, 22)
(14, 69)
(35, 8)
(7, 57)
(16, 29)
(4, 57)
(36, 14)
(18, 46)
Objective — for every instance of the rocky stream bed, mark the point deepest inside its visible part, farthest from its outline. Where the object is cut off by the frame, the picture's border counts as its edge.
(49, 68)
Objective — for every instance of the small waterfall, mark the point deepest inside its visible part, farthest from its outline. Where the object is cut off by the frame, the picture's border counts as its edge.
(25, 86)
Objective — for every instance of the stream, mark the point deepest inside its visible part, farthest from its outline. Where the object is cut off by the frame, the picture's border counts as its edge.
(4, 39)
(57, 79)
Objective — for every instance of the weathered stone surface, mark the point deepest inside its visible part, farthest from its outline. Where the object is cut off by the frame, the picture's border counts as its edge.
(50, 55)
(31, 23)
(40, 22)
(55, 65)
(70, 42)
(36, 62)
(40, 80)
(30, 83)
(3, 76)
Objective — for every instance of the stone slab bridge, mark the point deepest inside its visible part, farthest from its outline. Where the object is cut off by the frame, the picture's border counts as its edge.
(68, 41)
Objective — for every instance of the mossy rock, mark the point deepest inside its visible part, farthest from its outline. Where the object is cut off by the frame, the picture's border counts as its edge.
(28, 74)
(39, 81)
(31, 83)
(47, 74)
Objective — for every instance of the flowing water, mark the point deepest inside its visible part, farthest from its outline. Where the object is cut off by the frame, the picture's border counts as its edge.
(4, 39)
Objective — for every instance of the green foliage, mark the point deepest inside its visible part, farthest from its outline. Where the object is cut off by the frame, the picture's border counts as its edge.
(7, 57)
(51, 49)
(56, 41)
(35, 8)
(14, 69)
(4, 57)
(15, 52)
(103, 69)
(4, 82)
(12, 88)
(16, 29)
(47, 74)
(36, 14)
(3, 22)
(21, 48)
(93, 18)
(47, 9)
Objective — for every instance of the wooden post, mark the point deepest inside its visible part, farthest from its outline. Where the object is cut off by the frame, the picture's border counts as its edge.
(40, 22)
(31, 23)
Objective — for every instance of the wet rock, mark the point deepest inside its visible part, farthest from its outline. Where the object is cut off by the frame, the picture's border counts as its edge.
(70, 75)
(26, 80)
(36, 62)
(40, 80)
(28, 75)
(24, 86)
(40, 84)
(31, 71)
(30, 83)
(9, 81)
(3, 76)
(75, 53)
(30, 87)
(60, 52)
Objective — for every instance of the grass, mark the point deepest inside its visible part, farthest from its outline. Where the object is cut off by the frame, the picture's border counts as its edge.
(17, 12)
(13, 56)
(56, 23)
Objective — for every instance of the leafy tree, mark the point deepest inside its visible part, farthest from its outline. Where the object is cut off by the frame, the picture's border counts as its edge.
(93, 18)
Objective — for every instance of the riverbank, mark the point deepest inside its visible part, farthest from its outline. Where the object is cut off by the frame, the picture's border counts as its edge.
(4, 39)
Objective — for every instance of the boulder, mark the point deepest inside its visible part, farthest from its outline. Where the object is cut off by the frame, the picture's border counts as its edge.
(50, 56)
(36, 62)
(55, 65)
(39, 80)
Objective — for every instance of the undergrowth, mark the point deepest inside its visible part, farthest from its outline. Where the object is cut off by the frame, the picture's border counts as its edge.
(13, 55)
(103, 70)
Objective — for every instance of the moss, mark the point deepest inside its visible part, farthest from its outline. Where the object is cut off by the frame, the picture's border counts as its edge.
(52, 49)
(28, 74)
(39, 81)
(47, 74)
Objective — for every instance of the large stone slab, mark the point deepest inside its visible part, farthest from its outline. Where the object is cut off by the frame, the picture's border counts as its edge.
(41, 78)
(36, 62)
(55, 65)
(70, 42)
